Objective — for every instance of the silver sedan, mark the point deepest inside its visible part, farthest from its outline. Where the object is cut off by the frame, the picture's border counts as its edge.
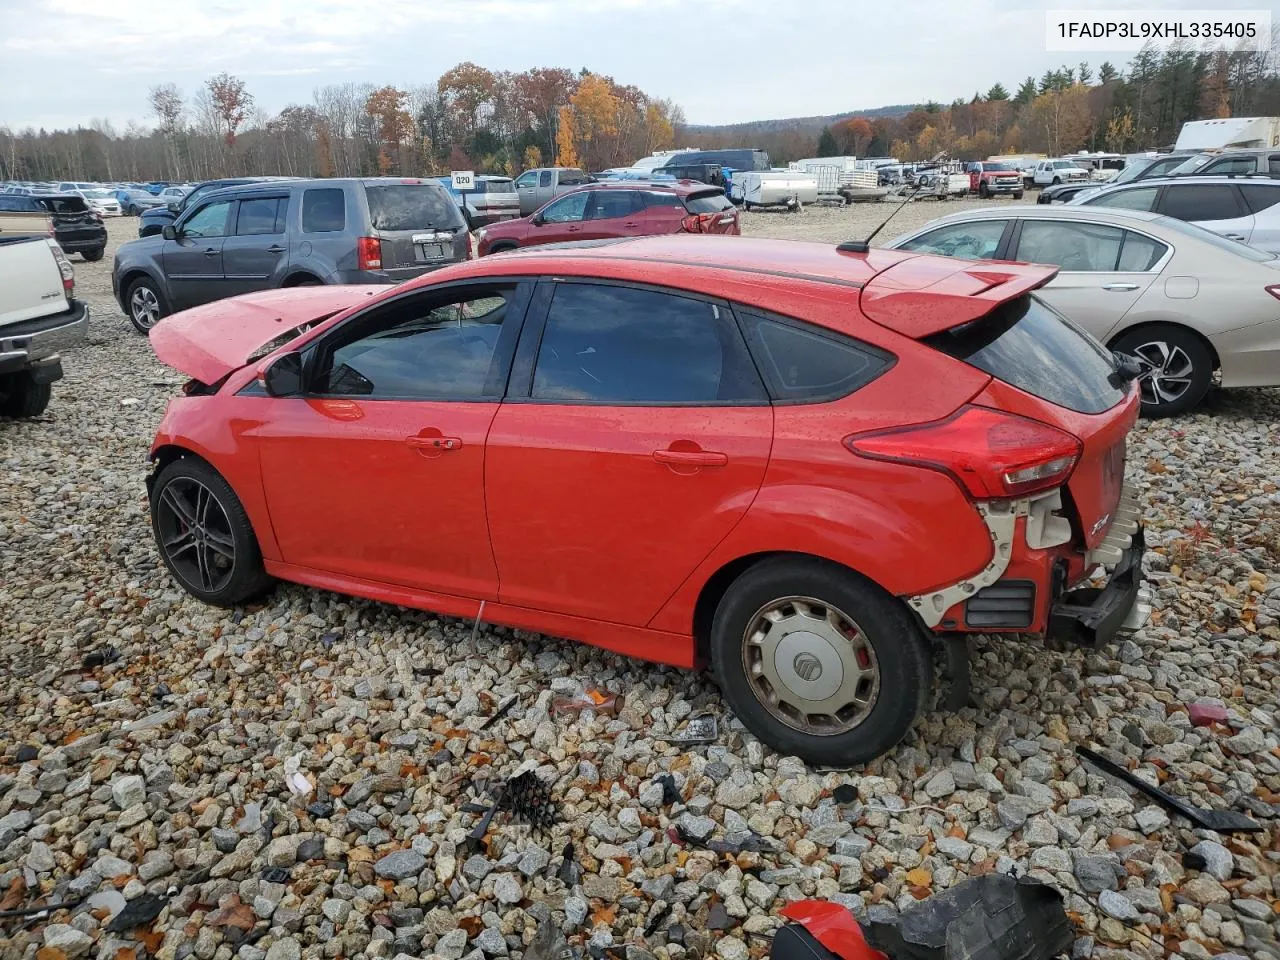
(1187, 303)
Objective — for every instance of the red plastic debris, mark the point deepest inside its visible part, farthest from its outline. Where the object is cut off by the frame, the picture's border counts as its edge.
(834, 927)
(1203, 714)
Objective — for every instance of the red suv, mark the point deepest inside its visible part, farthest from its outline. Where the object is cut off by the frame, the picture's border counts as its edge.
(606, 210)
(797, 464)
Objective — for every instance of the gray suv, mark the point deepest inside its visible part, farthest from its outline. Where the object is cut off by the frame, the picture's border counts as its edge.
(289, 233)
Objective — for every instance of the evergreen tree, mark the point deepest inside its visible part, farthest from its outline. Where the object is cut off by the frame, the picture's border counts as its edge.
(997, 92)
(1107, 73)
(827, 146)
(1026, 92)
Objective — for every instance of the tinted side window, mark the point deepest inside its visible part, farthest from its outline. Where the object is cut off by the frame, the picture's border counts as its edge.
(1259, 196)
(209, 221)
(544, 178)
(1140, 198)
(260, 216)
(610, 344)
(612, 204)
(1139, 253)
(324, 210)
(1231, 165)
(800, 362)
(1200, 201)
(432, 346)
(568, 209)
(975, 240)
(1069, 245)
(662, 200)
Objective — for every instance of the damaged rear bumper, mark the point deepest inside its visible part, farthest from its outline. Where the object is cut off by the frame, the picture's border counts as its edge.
(1092, 616)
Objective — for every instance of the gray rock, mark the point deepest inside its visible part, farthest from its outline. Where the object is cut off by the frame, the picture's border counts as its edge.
(955, 848)
(828, 833)
(941, 784)
(1247, 741)
(575, 910)
(1117, 906)
(1054, 859)
(853, 845)
(361, 821)
(400, 865)
(286, 949)
(533, 861)
(651, 795)
(1218, 860)
(72, 942)
(597, 887)
(700, 828)
(1096, 873)
(224, 841)
(660, 887)
(129, 791)
(1082, 807)
(1151, 818)
(476, 868)
(336, 910)
(507, 889)
(492, 942)
(40, 858)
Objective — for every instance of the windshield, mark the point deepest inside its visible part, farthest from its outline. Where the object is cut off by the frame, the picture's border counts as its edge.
(495, 186)
(1133, 168)
(98, 195)
(411, 207)
(1191, 164)
(999, 167)
(1029, 345)
(1215, 239)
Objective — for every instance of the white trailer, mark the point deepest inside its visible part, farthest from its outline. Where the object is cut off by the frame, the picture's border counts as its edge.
(1229, 132)
(775, 188)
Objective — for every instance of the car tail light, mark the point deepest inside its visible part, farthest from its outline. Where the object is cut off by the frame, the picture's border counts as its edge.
(471, 246)
(368, 253)
(698, 222)
(64, 267)
(1274, 290)
(991, 454)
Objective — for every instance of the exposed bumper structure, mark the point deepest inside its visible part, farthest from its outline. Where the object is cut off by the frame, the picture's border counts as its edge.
(34, 345)
(1092, 616)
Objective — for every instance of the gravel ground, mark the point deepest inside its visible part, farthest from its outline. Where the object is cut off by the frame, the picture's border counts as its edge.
(164, 771)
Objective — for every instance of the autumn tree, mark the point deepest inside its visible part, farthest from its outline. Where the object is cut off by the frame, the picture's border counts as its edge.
(388, 108)
(168, 107)
(539, 94)
(467, 91)
(1064, 117)
(231, 102)
(595, 119)
(566, 152)
(853, 136)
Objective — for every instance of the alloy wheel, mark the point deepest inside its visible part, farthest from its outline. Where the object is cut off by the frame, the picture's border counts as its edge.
(145, 307)
(810, 665)
(195, 534)
(1166, 371)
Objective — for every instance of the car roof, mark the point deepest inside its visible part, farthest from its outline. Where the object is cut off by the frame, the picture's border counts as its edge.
(682, 188)
(1218, 178)
(1040, 211)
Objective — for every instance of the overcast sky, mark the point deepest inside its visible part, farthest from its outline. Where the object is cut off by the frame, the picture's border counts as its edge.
(66, 62)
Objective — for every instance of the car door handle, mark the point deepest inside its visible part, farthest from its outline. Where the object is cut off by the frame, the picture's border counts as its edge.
(210, 252)
(1234, 236)
(691, 458)
(434, 444)
(572, 229)
(275, 248)
(629, 223)
(1121, 287)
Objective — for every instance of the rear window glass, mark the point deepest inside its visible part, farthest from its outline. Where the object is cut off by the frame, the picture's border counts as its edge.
(63, 204)
(496, 186)
(17, 203)
(1259, 196)
(801, 363)
(662, 200)
(324, 210)
(707, 202)
(568, 177)
(411, 206)
(1031, 346)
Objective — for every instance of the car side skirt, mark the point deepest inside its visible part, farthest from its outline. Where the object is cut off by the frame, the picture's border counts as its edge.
(640, 642)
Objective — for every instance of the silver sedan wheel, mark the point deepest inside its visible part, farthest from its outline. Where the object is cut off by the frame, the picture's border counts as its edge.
(1166, 372)
(144, 307)
(810, 665)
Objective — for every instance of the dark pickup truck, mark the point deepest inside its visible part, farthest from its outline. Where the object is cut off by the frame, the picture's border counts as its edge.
(77, 228)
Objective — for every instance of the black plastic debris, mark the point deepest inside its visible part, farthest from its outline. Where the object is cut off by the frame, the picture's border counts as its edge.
(161, 691)
(100, 658)
(700, 730)
(750, 842)
(993, 917)
(670, 793)
(26, 752)
(655, 921)
(1223, 821)
(321, 810)
(529, 799)
(570, 871)
(1194, 861)
(498, 714)
(327, 640)
(718, 918)
(845, 794)
(275, 875)
(138, 912)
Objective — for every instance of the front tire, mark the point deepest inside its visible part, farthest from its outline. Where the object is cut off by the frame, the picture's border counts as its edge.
(819, 662)
(983, 193)
(1177, 367)
(22, 397)
(94, 255)
(204, 536)
(1018, 195)
(146, 304)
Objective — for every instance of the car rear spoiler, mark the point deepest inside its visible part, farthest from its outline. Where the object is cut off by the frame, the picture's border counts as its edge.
(926, 295)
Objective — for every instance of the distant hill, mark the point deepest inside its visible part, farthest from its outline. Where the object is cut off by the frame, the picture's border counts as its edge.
(802, 124)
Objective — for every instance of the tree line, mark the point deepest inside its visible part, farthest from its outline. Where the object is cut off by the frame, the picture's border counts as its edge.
(502, 122)
(470, 118)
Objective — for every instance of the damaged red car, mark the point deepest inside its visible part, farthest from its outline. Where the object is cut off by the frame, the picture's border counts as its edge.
(802, 466)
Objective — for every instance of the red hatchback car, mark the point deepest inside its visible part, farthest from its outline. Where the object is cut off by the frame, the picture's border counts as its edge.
(798, 465)
(613, 209)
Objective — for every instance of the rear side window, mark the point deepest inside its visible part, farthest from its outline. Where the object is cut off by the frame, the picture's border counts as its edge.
(801, 363)
(1200, 201)
(710, 202)
(613, 344)
(18, 203)
(572, 177)
(411, 206)
(1072, 246)
(324, 210)
(1029, 345)
(613, 204)
(973, 240)
(1139, 253)
(544, 178)
(1139, 198)
(1246, 164)
(261, 216)
(662, 200)
(1259, 196)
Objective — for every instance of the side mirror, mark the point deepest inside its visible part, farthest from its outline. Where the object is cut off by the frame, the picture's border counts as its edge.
(537, 220)
(174, 206)
(284, 377)
(169, 232)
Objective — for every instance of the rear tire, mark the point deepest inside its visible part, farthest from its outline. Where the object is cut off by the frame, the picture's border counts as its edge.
(502, 248)
(1018, 195)
(1178, 367)
(866, 643)
(204, 536)
(22, 397)
(146, 304)
(94, 255)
